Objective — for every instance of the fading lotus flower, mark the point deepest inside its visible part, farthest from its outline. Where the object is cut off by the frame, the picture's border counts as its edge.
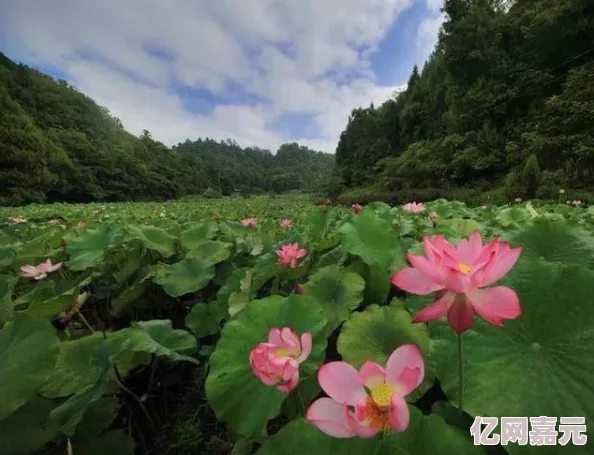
(276, 363)
(95, 212)
(414, 207)
(17, 220)
(483, 207)
(81, 224)
(356, 208)
(518, 199)
(576, 202)
(53, 221)
(80, 301)
(457, 274)
(216, 216)
(286, 224)
(561, 191)
(39, 272)
(365, 402)
(288, 255)
(250, 222)
(433, 217)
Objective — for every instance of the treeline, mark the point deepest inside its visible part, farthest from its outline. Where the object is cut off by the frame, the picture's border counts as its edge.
(504, 105)
(57, 144)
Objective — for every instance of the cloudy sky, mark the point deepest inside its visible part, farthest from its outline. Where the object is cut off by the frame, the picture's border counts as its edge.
(261, 72)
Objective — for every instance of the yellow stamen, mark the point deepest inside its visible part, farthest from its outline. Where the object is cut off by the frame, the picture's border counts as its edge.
(375, 416)
(283, 352)
(464, 268)
(382, 394)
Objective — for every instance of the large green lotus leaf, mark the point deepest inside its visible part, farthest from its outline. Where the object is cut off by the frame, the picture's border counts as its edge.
(211, 251)
(338, 290)
(373, 334)
(38, 249)
(198, 233)
(266, 267)
(239, 299)
(89, 249)
(426, 435)
(371, 238)
(28, 352)
(75, 368)
(462, 226)
(555, 241)
(6, 306)
(154, 337)
(205, 319)
(336, 256)
(513, 217)
(237, 396)
(550, 347)
(123, 302)
(115, 442)
(183, 277)
(128, 261)
(232, 285)
(7, 256)
(98, 418)
(156, 239)
(445, 208)
(234, 232)
(27, 430)
(40, 291)
(377, 281)
(69, 414)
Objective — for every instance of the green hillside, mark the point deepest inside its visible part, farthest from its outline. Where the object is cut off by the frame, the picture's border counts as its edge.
(56, 144)
(504, 104)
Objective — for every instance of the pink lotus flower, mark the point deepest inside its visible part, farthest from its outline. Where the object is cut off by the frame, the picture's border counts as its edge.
(457, 274)
(40, 271)
(576, 202)
(17, 220)
(518, 199)
(286, 224)
(357, 208)
(276, 363)
(288, 255)
(81, 224)
(250, 222)
(365, 402)
(299, 290)
(413, 207)
(94, 212)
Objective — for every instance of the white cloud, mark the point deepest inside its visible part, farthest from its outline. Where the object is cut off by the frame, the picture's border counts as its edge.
(130, 57)
(427, 34)
(434, 5)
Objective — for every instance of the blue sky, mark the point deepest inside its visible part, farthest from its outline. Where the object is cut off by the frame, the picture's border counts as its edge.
(276, 71)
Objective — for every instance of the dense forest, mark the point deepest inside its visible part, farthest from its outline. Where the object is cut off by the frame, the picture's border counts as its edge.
(56, 144)
(504, 106)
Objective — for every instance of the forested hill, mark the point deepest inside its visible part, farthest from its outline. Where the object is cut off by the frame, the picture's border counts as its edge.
(504, 104)
(57, 144)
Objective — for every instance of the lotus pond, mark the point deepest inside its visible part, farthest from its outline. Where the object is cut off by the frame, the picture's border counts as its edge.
(273, 326)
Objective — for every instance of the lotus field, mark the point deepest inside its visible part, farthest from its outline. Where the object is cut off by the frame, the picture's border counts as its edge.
(301, 329)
